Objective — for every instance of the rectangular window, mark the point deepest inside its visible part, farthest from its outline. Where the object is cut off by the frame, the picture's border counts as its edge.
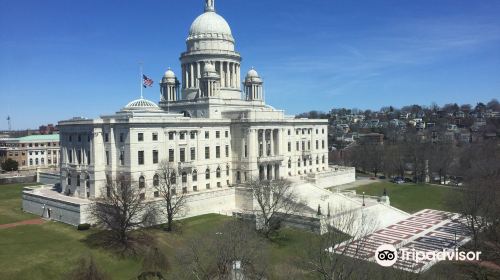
(208, 186)
(217, 151)
(193, 154)
(106, 137)
(193, 135)
(308, 145)
(155, 156)
(289, 146)
(317, 144)
(170, 136)
(217, 134)
(107, 157)
(227, 151)
(171, 155)
(207, 152)
(140, 137)
(183, 135)
(297, 146)
(303, 145)
(155, 136)
(207, 134)
(246, 151)
(122, 137)
(182, 155)
(323, 144)
(227, 134)
(140, 157)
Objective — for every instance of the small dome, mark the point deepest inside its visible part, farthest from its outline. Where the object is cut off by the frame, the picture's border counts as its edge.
(210, 25)
(141, 105)
(252, 74)
(169, 74)
(253, 77)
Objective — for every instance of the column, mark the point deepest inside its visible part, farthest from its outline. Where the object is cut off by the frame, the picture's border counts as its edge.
(272, 142)
(191, 76)
(197, 78)
(226, 74)
(183, 76)
(223, 74)
(238, 73)
(264, 143)
(235, 83)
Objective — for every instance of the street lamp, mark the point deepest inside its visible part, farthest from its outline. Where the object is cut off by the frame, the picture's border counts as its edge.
(364, 199)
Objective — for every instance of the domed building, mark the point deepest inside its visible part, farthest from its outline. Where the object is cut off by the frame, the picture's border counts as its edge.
(208, 122)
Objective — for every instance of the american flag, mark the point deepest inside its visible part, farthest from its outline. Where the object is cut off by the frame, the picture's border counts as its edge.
(147, 82)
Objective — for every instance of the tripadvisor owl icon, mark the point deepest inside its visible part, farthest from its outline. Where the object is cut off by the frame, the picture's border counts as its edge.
(386, 255)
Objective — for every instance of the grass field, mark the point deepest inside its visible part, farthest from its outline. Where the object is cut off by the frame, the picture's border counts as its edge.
(412, 197)
(10, 204)
(50, 250)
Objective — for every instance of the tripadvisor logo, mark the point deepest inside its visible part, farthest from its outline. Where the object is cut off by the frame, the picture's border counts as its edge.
(387, 255)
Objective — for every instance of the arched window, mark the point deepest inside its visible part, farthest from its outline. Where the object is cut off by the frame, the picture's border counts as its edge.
(142, 182)
(184, 177)
(156, 180)
(173, 178)
(207, 173)
(78, 180)
(31, 161)
(36, 161)
(195, 176)
(218, 172)
(69, 179)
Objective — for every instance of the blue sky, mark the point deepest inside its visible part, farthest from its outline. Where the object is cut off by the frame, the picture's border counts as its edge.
(60, 58)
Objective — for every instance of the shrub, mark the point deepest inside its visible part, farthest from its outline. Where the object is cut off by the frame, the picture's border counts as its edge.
(83, 226)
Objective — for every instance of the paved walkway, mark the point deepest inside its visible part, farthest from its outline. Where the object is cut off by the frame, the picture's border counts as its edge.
(38, 221)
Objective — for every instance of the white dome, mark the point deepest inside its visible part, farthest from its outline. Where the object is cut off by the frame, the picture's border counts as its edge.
(210, 25)
(141, 105)
(169, 74)
(252, 74)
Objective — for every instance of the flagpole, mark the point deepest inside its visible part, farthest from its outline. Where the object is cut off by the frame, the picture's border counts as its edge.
(141, 80)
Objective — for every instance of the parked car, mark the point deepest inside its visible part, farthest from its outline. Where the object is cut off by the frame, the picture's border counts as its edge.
(398, 180)
(382, 177)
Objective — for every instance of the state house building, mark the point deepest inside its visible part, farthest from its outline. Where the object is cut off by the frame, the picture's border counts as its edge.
(212, 125)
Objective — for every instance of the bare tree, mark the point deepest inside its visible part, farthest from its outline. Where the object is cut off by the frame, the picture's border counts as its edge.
(87, 269)
(276, 200)
(154, 265)
(230, 251)
(340, 252)
(174, 201)
(120, 210)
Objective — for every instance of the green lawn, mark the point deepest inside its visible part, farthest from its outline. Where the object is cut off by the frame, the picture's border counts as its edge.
(10, 204)
(50, 250)
(412, 197)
